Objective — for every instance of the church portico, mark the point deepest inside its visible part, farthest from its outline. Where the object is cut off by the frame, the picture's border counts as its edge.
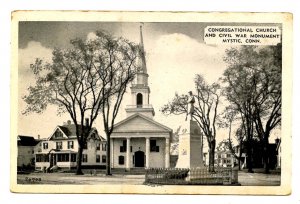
(139, 141)
(127, 152)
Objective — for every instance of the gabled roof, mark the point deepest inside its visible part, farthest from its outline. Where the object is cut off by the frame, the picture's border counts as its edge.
(94, 130)
(140, 123)
(69, 131)
(27, 141)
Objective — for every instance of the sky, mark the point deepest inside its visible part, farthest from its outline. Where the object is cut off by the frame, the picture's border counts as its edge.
(175, 52)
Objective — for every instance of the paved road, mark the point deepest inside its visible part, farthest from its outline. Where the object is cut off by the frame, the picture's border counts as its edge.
(70, 178)
(245, 179)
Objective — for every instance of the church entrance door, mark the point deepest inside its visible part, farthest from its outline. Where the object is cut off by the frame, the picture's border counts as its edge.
(139, 159)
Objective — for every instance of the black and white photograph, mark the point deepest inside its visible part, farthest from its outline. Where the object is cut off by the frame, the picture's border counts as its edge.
(155, 103)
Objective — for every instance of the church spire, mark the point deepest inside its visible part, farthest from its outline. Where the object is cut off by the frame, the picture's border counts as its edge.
(142, 58)
(140, 90)
(141, 36)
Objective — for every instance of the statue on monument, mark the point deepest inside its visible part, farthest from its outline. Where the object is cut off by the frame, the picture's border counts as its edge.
(190, 106)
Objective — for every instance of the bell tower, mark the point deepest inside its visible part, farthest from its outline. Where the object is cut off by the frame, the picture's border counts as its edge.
(140, 90)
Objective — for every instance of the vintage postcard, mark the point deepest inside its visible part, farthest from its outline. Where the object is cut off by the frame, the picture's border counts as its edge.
(151, 102)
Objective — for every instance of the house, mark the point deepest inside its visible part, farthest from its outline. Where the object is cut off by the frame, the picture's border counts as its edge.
(224, 158)
(61, 148)
(257, 154)
(139, 141)
(26, 148)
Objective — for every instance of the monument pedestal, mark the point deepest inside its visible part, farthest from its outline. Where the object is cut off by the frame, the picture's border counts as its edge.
(190, 153)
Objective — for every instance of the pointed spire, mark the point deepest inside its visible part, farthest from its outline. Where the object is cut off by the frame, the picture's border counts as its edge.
(142, 52)
(141, 35)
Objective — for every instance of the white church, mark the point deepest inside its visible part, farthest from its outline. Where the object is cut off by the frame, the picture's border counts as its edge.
(139, 141)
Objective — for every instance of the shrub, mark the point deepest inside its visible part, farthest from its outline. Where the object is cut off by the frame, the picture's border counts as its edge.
(176, 173)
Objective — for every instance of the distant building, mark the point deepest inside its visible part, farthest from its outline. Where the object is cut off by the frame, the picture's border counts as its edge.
(278, 150)
(139, 141)
(26, 148)
(61, 148)
(224, 158)
(257, 157)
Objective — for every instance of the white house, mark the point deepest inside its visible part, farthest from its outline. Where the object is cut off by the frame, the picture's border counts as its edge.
(138, 140)
(61, 148)
(26, 149)
(224, 158)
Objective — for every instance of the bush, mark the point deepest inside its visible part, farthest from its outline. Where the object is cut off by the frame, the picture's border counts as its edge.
(176, 173)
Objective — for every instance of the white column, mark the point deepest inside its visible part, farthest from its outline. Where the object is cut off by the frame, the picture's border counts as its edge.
(128, 154)
(147, 151)
(167, 153)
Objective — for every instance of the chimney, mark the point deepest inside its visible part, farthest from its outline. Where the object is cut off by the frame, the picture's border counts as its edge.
(39, 137)
(69, 122)
(86, 121)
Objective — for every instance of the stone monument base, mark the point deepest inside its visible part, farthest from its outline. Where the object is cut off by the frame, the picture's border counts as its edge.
(190, 153)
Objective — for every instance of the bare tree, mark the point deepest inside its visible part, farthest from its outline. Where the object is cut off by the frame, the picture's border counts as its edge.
(120, 59)
(206, 111)
(81, 81)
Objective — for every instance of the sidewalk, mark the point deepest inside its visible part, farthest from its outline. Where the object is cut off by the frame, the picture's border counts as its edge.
(70, 178)
(245, 179)
(258, 179)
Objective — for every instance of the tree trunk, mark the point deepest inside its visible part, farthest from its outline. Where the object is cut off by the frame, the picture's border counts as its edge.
(212, 146)
(240, 157)
(79, 160)
(249, 155)
(108, 167)
(266, 154)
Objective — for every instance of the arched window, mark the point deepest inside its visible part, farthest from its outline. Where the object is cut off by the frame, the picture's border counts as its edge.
(139, 100)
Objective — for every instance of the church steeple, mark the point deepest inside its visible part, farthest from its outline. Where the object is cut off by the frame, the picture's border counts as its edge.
(142, 75)
(140, 90)
(142, 52)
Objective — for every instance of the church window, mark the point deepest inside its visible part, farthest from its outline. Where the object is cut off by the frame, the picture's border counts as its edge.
(123, 147)
(153, 146)
(121, 160)
(139, 100)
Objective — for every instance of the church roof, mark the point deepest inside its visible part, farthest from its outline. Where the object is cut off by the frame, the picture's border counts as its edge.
(140, 123)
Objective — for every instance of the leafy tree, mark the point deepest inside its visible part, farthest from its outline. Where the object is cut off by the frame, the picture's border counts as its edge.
(253, 87)
(84, 81)
(206, 111)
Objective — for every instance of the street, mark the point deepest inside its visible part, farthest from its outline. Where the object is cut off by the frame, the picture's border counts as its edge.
(245, 179)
